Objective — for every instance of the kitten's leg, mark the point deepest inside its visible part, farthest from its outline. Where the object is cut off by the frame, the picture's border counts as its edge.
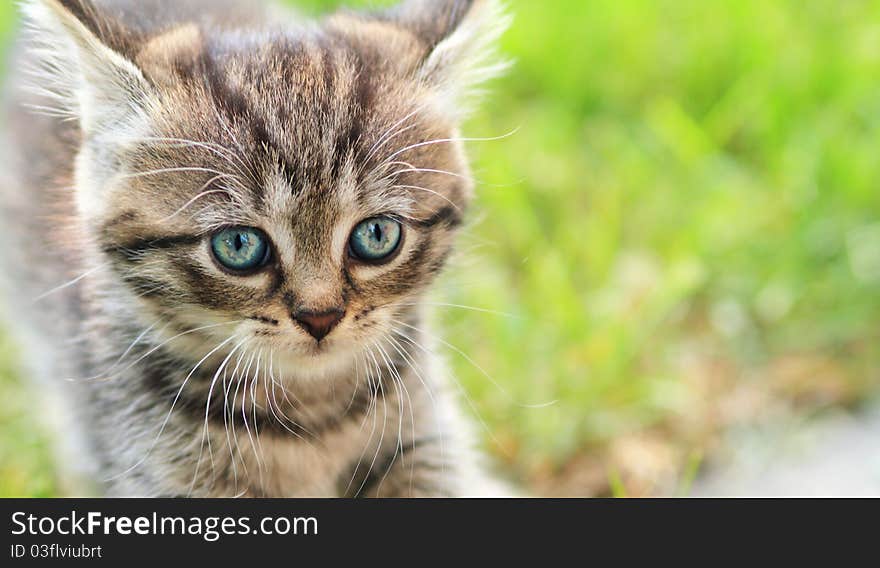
(420, 472)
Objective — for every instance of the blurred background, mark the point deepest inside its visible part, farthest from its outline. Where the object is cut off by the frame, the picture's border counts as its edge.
(671, 281)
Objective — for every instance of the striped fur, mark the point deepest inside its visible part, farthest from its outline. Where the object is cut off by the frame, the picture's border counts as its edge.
(160, 122)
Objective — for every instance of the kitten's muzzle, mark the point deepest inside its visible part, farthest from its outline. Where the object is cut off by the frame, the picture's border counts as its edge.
(318, 324)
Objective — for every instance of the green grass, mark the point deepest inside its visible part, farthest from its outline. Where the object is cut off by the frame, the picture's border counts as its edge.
(688, 215)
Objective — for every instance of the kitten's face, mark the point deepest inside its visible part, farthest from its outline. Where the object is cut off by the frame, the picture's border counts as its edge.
(295, 192)
(316, 169)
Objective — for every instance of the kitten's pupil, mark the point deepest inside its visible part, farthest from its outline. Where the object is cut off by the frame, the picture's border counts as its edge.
(239, 242)
(377, 232)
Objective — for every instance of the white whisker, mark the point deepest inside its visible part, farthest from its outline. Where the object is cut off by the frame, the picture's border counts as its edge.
(409, 168)
(173, 404)
(390, 134)
(449, 141)
(201, 195)
(206, 433)
(461, 307)
(154, 349)
(480, 369)
(372, 408)
(70, 283)
(416, 368)
(180, 169)
(458, 385)
(431, 191)
(384, 423)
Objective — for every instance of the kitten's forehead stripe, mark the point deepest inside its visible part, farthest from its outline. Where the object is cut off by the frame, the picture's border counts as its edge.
(304, 73)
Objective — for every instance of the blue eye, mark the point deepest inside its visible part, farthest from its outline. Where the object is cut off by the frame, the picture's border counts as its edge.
(375, 239)
(240, 249)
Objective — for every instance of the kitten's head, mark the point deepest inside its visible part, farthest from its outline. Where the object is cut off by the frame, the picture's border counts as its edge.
(293, 186)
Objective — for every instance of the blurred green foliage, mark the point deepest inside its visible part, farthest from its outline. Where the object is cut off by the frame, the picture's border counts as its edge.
(688, 182)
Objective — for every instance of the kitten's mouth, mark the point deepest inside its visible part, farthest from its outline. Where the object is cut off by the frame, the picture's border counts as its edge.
(319, 347)
(319, 360)
(295, 346)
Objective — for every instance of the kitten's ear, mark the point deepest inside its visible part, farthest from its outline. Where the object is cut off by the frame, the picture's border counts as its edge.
(461, 39)
(82, 62)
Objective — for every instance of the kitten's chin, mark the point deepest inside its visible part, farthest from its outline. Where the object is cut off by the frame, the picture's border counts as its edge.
(315, 361)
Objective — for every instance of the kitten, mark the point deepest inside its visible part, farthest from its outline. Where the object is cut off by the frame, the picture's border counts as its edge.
(230, 217)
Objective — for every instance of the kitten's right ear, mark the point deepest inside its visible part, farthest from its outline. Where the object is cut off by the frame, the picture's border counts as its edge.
(459, 40)
(82, 63)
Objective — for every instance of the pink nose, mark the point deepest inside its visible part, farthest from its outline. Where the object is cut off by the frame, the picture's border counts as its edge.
(318, 324)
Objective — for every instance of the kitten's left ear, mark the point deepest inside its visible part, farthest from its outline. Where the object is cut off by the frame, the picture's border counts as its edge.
(460, 38)
(81, 53)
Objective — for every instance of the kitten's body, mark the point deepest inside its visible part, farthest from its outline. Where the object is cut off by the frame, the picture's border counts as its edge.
(175, 378)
